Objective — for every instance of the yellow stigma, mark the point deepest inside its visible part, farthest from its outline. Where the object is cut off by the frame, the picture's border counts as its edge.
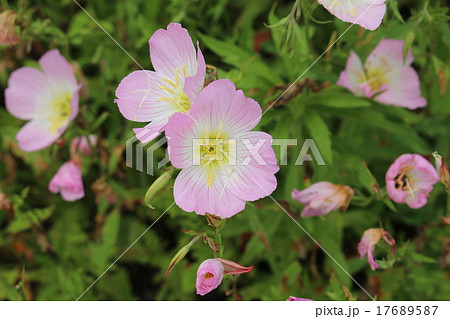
(215, 153)
(178, 99)
(58, 112)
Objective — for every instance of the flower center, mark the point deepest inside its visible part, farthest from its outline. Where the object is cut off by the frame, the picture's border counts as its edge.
(403, 182)
(376, 78)
(214, 152)
(57, 112)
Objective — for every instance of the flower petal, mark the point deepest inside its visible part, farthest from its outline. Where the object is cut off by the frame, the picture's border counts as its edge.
(192, 193)
(366, 13)
(389, 55)
(59, 71)
(172, 49)
(34, 136)
(221, 105)
(194, 84)
(253, 176)
(25, 91)
(139, 98)
(403, 89)
(353, 75)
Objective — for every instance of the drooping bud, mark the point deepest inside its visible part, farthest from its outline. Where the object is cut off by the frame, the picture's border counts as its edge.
(442, 169)
(233, 268)
(7, 33)
(157, 186)
(181, 254)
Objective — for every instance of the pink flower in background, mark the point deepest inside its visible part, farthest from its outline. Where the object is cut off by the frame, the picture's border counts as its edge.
(147, 96)
(366, 13)
(223, 163)
(48, 98)
(7, 33)
(368, 241)
(410, 179)
(209, 276)
(68, 182)
(293, 298)
(322, 198)
(81, 145)
(386, 76)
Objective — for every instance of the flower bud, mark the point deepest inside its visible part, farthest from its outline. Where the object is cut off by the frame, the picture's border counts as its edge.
(157, 186)
(233, 268)
(209, 276)
(68, 182)
(181, 254)
(215, 220)
(442, 169)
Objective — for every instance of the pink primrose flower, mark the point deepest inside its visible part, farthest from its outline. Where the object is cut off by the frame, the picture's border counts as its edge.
(386, 76)
(147, 96)
(368, 241)
(68, 182)
(322, 198)
(47, 98)
(223, 163)
(410, 179)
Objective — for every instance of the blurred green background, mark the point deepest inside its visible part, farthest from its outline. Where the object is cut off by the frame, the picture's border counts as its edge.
(53, 250)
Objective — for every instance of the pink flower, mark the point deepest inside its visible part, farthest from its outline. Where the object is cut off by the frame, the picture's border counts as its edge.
(209, 276)
(68, 182)
(366, 13)
(293, 298)
(146, 96)
(7, 33)
(81, 145)
(368, 241)
(386, 76)
(410, 179)
(48, 98)
(323, 197)
(223, 163)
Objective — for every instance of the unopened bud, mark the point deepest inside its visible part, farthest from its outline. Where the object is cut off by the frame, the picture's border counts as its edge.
(181, 254)
(442, 169)
(157, 186)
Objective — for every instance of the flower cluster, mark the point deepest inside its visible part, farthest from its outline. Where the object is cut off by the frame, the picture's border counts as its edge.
(223, 163)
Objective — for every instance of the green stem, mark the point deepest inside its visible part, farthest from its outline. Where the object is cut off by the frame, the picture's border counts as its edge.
(219, 240)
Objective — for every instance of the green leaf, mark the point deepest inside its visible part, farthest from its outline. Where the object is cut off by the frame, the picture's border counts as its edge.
(321, 135)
